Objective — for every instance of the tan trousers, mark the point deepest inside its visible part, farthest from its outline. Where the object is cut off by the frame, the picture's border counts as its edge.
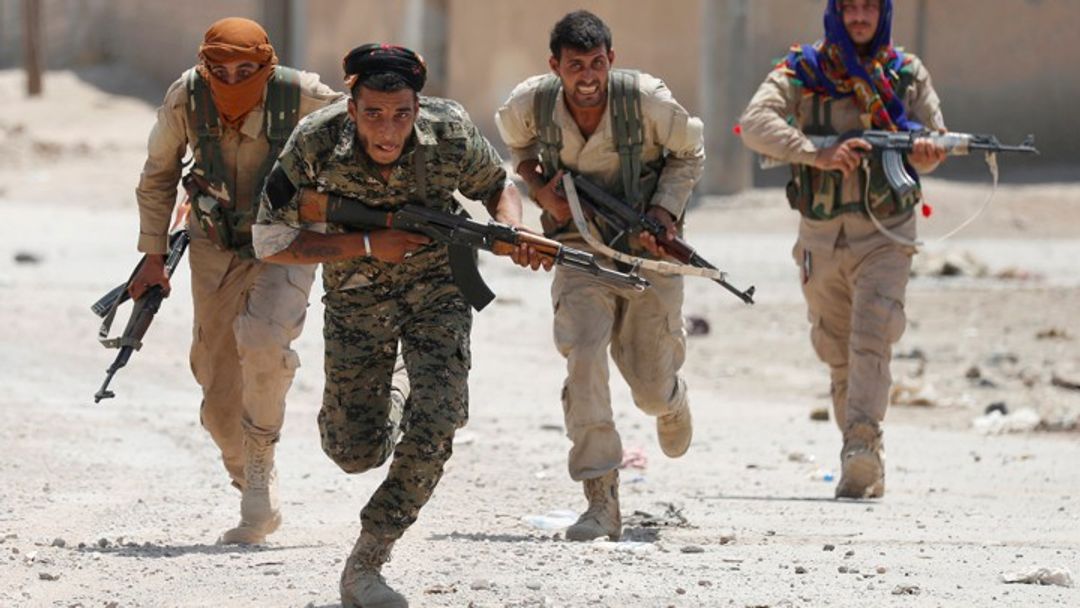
(246, 315)
(645, 335)
(856, 309)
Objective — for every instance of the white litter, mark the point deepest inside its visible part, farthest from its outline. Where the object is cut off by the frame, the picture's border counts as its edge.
(553, 520)
(1020, 421)
(1040, 576)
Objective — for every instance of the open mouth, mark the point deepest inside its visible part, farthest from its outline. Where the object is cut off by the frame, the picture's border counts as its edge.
(587, 91)
(387, 148)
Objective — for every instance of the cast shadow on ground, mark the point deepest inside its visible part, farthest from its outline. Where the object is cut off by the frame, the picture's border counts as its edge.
(491, 538)
(829, 499)
(159, 551)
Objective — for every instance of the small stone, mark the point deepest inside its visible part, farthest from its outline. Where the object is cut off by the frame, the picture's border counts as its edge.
(727, 537)
(59, 542)
(692, 549)
(829, 548)
(770, 533)
(849, 553)
(842, 569)
(680, 591)
(25, 257)
(103, 542)
(535, 586)
(800, 570)
(819, 414)
(882, 570)
(480, 585)
(704, 583)
(48, 576)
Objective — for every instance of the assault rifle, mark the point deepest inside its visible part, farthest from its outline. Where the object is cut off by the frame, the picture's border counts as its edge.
(463, 236)
(627, 220)
(892, 146)
(142, 312)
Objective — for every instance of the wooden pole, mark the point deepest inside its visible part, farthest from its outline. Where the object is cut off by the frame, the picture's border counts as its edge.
(32, 47)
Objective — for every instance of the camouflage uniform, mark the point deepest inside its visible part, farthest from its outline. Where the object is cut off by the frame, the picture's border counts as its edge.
(371, 305)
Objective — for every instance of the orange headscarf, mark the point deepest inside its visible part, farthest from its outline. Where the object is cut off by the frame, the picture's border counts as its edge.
(237, 39)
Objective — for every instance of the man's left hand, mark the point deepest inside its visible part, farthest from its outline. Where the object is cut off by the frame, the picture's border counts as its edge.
(665, 218)
(926, 155)
(527, 256)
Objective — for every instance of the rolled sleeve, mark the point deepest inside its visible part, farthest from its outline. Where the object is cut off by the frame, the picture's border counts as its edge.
(277, 226)
(157, 189)
(683, 138)
(516, 123)
(765, 126)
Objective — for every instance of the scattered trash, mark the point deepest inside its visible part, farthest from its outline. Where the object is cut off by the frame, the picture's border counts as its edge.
(997, 406)
(634, 458)
(996, 423)
(823, 475)
(819, 414)
(800, 457)
(1058, 381)
(908, 391)
(672, 517)
(553, 520)
(948, 264)
(1054, 333)
(915, 354)
(906, 590)
(695, 326)
(1040, 576)
(25, 257)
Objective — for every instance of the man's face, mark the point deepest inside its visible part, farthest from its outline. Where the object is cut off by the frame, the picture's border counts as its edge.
(384, 121)
(233, 72)
(584, 75)
(861, 19)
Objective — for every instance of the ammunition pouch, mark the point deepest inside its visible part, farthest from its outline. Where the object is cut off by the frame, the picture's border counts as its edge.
(218, 220)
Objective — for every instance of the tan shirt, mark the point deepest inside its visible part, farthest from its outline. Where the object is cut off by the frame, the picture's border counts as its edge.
(668, 127)
(243, 152)
(766, 130)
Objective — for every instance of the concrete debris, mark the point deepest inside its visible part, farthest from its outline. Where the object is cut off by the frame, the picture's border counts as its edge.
(906, 590)
(1060, 577)
(996, 423)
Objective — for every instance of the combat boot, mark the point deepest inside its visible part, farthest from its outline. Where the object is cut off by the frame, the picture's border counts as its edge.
(362, 584)
(602, 518)
(260, 512)
(863, 463)
(674, 430)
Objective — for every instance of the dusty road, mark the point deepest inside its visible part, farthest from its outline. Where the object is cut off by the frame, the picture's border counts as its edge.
(119, 504)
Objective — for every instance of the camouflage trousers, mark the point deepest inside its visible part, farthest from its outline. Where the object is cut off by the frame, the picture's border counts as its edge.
(362, 331)
(247, 313)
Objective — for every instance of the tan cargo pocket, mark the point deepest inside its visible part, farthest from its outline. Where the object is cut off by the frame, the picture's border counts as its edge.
(830, 348)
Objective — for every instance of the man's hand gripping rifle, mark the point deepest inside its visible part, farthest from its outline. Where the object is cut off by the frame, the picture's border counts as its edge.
(585, 196)
(462, 234)
(144, 309)
(893, 146)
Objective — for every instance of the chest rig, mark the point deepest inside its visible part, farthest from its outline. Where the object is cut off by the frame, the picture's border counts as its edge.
(637, 180)
(211, 189)
(818, 195)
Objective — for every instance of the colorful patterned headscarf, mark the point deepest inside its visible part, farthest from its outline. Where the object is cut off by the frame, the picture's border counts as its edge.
(833, 67)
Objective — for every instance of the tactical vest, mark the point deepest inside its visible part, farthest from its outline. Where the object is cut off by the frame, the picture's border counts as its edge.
(825, 201)
(281, 112)
(637, 180)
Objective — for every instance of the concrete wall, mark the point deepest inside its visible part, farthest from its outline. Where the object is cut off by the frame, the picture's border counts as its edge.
(1001, 66)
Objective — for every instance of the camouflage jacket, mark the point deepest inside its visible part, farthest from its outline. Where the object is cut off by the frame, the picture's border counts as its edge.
(324, 152)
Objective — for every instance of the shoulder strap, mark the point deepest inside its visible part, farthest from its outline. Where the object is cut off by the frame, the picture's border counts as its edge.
(203, 117)
(628, 129)
(548, 133)
(281, 112)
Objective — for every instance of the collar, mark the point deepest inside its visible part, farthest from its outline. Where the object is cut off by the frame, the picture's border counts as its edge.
(565, 120)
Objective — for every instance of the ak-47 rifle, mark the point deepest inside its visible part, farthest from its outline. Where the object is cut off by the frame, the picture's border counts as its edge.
(892, 146)
(463, 236)
(144, 309)
(582, 193)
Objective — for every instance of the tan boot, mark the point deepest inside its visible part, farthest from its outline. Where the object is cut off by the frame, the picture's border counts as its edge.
(602, 518)
(362, 584)
(675, 430)
(260, 512)
(863, 463)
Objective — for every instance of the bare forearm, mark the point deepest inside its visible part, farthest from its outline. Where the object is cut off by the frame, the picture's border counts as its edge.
(529, 172)
(313, 248)
(506, 207)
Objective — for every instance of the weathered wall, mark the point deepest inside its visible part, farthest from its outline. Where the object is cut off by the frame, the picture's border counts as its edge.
(1001, 66)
